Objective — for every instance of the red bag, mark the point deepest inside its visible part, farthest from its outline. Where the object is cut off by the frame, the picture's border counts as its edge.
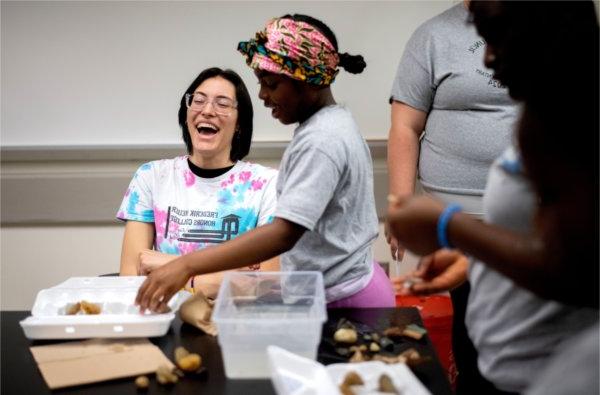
(436, 313)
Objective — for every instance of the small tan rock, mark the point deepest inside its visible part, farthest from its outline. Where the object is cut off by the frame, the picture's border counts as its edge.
(352, 378)
(180, 352)
(165, 376)
(345, 335)
(374, 347)
(190, 363)
(386, 385)
(73, 308)
(142, 382)
(414, 331)
(346, 390)
(358, 356)
(187, 361)
(90, 308)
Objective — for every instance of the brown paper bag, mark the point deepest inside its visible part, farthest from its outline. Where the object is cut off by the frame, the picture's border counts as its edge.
(197, 311)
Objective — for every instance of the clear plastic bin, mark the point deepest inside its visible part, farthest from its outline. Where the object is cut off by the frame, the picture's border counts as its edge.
(258, 309)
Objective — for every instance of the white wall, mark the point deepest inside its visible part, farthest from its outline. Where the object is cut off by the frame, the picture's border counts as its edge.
(104, 73)
(38, 257)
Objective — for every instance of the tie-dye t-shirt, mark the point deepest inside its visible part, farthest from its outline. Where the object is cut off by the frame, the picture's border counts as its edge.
(190, 213)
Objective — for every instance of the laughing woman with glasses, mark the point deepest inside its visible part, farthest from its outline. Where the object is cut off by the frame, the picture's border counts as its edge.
(176, 206)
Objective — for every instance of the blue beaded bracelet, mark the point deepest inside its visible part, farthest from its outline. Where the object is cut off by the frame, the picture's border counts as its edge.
(442, 224)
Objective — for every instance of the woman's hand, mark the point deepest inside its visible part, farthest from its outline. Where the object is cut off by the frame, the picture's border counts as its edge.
(441, 271)
(413, 222)
(396, 249)
(151, 259)
(161, 284)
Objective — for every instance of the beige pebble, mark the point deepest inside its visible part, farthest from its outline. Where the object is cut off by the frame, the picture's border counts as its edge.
(345, 335)
(142, 382)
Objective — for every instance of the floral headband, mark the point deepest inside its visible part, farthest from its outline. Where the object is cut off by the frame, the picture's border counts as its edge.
(292, 48)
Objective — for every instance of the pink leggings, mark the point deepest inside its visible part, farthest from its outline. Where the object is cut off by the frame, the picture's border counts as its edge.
(378, 293)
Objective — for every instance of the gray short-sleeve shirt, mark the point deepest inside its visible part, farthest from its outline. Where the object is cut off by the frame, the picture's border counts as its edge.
(470, 115)
(325, 184)
(514, 331)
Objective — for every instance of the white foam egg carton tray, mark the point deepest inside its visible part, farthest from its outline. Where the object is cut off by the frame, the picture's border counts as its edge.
(119, 317)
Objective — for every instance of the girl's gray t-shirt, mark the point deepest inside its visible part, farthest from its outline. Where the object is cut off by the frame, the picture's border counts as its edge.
(470, 115)
(325, 184)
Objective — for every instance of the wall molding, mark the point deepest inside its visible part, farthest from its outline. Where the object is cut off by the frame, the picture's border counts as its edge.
(259, 150)
(84, 185)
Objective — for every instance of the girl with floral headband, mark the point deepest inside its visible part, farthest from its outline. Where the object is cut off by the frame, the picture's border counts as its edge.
(325, 218)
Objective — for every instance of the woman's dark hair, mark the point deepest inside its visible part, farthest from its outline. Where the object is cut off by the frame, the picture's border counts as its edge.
(354, 64)
(240, 146)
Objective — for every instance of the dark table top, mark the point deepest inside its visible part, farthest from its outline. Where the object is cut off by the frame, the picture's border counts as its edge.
(21, 376)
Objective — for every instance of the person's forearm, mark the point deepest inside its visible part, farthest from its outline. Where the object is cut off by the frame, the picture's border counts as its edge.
(521, 257)
(137, 237)
(535, 261)
(526, 260)
(407, 124)
(403, 153)
(258, 245)
(127, 269)
(130, 258)
(209, 283)
(270, 265)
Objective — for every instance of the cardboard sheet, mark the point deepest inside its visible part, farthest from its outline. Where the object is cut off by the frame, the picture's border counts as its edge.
(90, 361)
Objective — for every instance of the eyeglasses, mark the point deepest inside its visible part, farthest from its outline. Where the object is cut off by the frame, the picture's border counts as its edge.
(222, 105)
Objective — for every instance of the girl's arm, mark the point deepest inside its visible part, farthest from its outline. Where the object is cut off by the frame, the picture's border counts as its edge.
(209, 284)
(138, 237)
(257, 245)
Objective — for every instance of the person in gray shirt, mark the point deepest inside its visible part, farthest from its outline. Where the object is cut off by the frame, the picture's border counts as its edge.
(443, 91)
(450, 120)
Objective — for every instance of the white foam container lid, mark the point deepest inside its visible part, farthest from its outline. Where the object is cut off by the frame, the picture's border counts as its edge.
(119, 316)
(292, 374)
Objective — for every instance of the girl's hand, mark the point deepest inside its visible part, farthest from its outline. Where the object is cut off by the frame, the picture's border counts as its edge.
(161, 284)
(413, 222)
(151, 259)
(441, 271)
